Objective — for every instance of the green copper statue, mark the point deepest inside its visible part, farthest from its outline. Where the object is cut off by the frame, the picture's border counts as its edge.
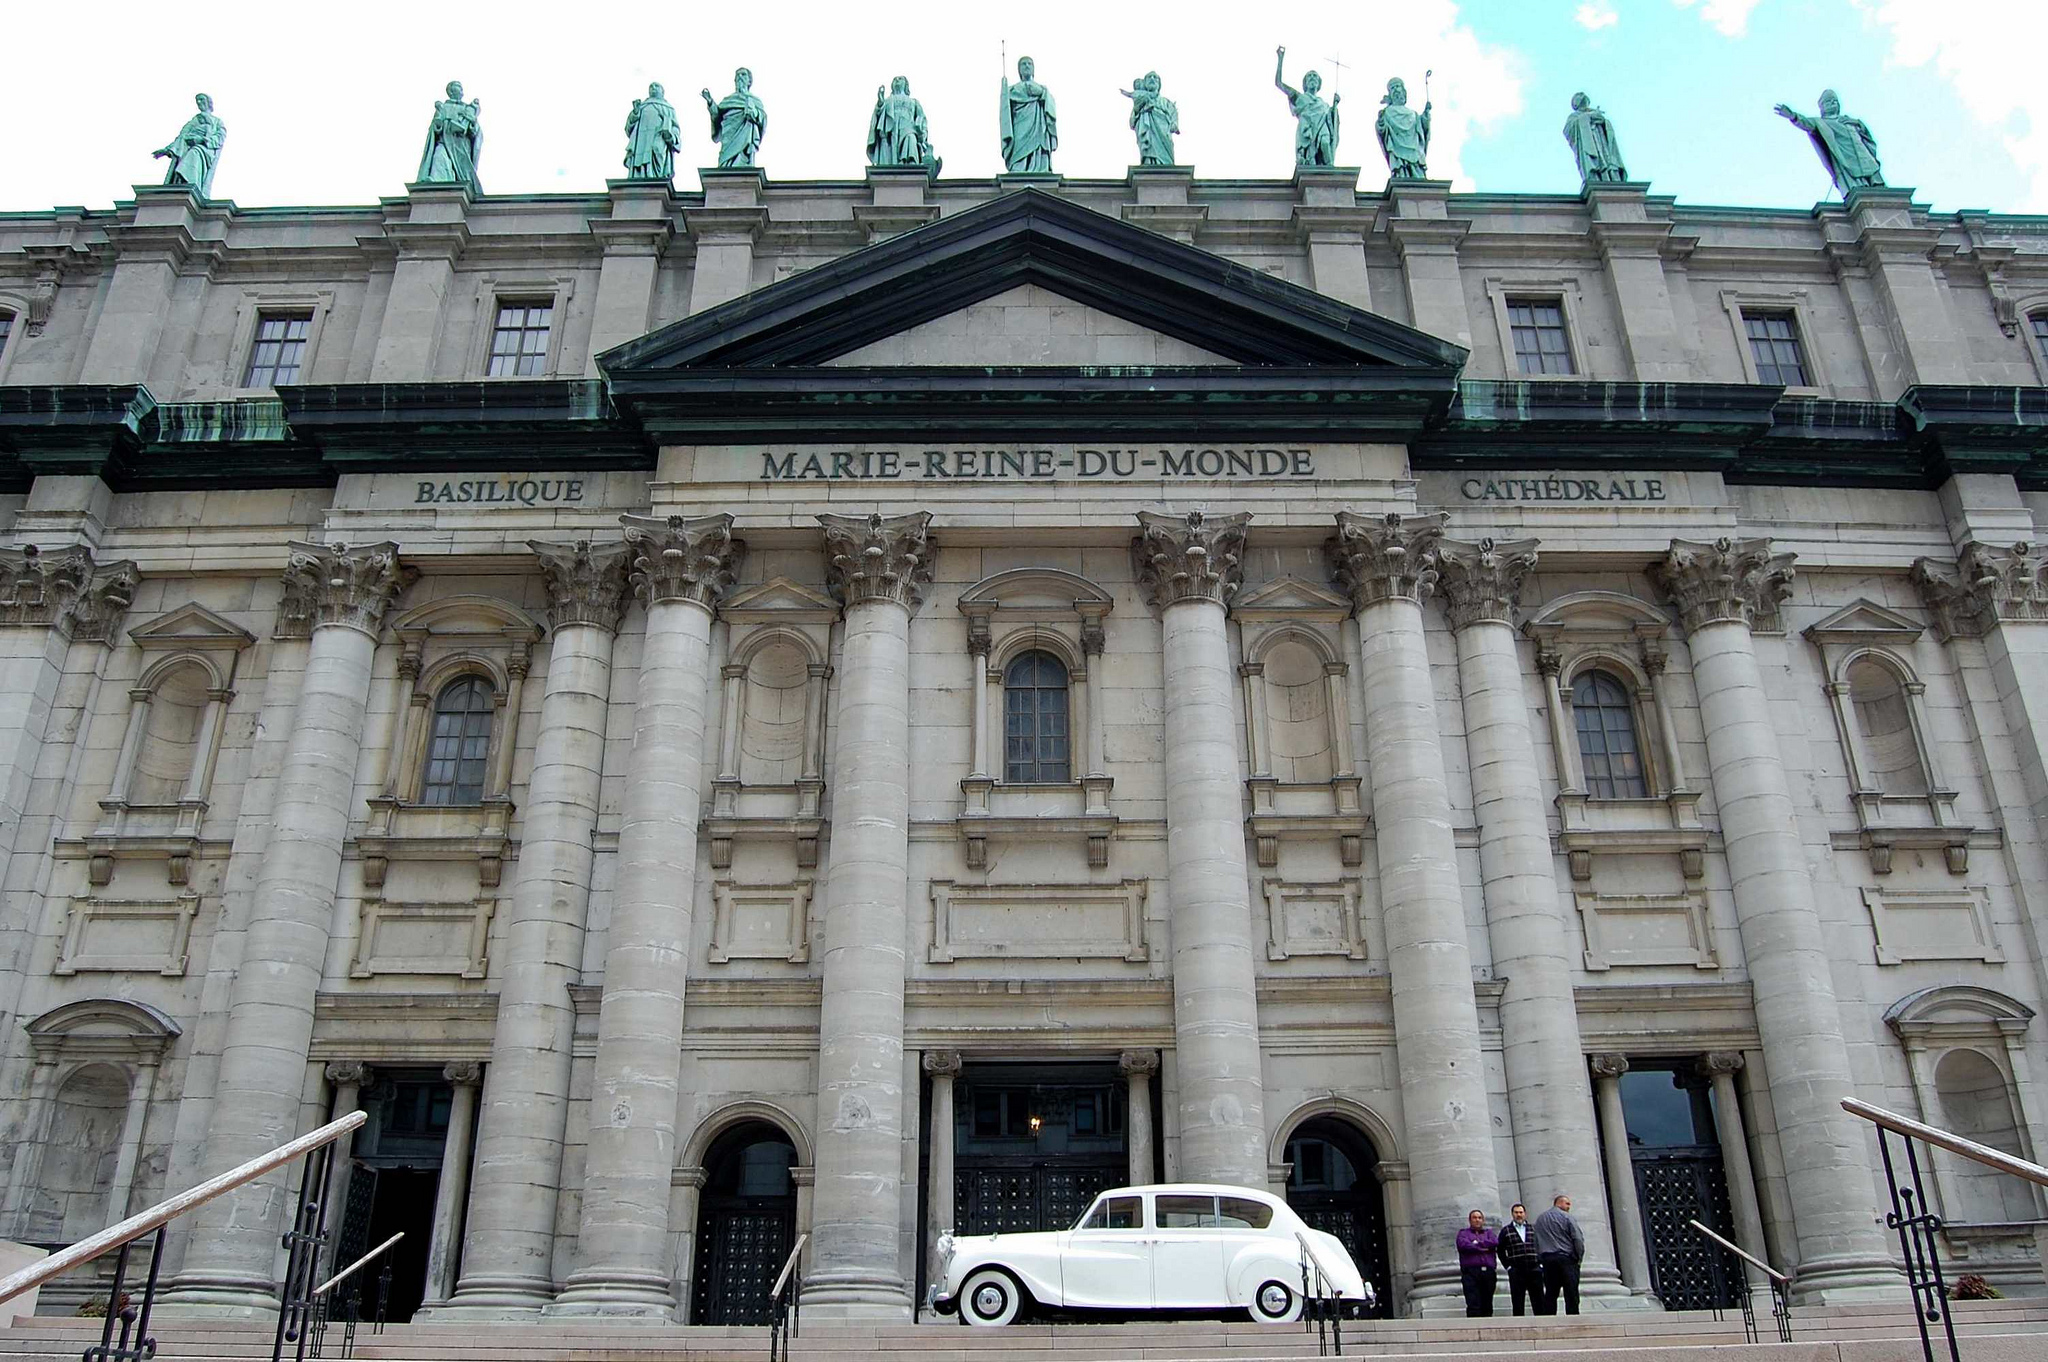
(1592, 140)
(652, 136)
(737, 122)
(1846, 145)
(1404, 133)
(455, 142)
(1154, 118)
(195, 151)
(898, 134)
(1315, 122)
(1030, 124)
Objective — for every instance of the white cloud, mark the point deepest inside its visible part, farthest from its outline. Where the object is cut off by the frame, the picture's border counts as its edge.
(1596, 15)
(1730, 17)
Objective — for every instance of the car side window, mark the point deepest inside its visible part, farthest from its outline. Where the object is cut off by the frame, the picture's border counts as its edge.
(1186, 1212)
(1242, 1213)
(1116, 1213)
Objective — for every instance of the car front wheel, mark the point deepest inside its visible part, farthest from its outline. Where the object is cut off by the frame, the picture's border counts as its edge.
(990, 1297)
(1275, 1303)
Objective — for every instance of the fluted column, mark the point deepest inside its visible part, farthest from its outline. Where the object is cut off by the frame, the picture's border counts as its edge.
(1189, 567)
(943, 1066)
(1720, 1067)
(508, 1253)
(341, 595)
(1630, 1251)
(1720, 589)
(680, 570)
(879, 568)
(1549, 1099)
(1137, 1067)
(1387, 564)
(465, 1076)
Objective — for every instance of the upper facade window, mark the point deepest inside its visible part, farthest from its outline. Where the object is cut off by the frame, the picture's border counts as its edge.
(279, 349)
(460, 744)
(1542, 346)
(1608, 749)
(1035, 746)
(519, 342)
(7, 328)
(1774, 344)
(2039, 319)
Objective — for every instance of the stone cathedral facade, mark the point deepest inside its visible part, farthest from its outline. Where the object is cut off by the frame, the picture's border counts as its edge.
(866, 708)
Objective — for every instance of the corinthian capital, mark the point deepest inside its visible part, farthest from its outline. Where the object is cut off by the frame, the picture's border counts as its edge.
(63, 589)
(682, 559)
(1730, 581)
(1988, 584)
(1194, 557)
(879, 558)
(1387, 557)
(586, 582)
(336, 584)
(1483, 581)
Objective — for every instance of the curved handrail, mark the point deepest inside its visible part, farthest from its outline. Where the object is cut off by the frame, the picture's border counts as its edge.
(1954, 1144)
(135, 1226)
(1750, 1258)
(338, 1278)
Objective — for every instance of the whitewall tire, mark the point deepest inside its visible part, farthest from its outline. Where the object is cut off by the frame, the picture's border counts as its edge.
(1275, 1302)
(990, 1298)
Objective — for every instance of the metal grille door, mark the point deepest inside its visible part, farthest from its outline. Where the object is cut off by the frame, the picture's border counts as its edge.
(1676, 1186)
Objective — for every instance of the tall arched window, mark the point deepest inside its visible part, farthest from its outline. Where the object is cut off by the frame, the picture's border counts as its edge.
(1886, 727)
(1035, 743)
(460, 743)
(1608, 749)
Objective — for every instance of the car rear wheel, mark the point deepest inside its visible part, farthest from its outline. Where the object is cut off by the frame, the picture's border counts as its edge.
(1275, 1303)
(990, 1297)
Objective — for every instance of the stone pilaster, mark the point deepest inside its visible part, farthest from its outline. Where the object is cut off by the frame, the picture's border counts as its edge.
(1720, 589)
(465, 1076)
(680, 569)
(348, 1077)
(1387, 564)
(1189, 567)
(879, 568)
(508, 1251)
(1720, 1068)
(942, 1067)
(1630, 1250)
(343, 594)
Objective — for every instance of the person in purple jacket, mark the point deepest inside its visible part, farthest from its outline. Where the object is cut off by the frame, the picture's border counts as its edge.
(1478, 1246)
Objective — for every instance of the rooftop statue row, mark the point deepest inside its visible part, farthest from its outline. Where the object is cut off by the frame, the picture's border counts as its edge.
(899, 134)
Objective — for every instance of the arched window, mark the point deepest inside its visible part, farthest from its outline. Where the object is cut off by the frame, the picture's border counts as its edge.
(1035, 744)
(1608, 749)
(459, 744)
(1886, 726)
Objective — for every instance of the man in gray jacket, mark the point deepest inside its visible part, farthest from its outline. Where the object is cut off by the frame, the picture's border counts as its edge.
(1560, 1245)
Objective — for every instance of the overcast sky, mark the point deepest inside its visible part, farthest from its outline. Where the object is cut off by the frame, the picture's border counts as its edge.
(328, 104)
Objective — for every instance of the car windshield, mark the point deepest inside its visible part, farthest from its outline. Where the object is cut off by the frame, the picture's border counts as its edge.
(1114, 1213)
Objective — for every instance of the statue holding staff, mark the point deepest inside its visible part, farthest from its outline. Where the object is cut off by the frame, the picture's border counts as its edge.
(1029, 122)
(195, 151)
(652, 136)
(1404, 133)
(1154, 118)
(455, 142)
(898, 134)
(1315, 121)
(1846, 145)
(737, 122)
(1592, 141)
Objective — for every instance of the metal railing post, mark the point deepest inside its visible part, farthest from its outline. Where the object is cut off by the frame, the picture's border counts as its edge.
(1916, 1227)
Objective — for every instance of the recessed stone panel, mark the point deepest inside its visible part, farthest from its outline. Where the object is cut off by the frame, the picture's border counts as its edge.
(1038, 921)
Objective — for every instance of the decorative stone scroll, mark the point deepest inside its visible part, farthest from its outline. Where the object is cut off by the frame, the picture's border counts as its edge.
(1195, 557)
(64, 589)
(1730, 581)
(1134, 1062)
(1387, 557)
(463, 1073)
(1483, 581)
(942, 1062)
(586, 582)
(1987, 585)
(879, 558)
(682, 558)
(336, 584)
(1608, 1066)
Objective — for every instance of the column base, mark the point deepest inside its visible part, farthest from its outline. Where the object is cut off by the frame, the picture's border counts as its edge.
(208, 1297)
(1605, 1290)
(491, 1299)
(1848, 1281)
(1434, 1296)
(615, 1294)
(854, 1295)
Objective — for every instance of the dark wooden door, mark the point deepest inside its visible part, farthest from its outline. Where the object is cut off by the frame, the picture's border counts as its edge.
(1676, 1186)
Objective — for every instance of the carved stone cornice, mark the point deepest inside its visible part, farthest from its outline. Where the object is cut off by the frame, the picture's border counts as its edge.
(343, 1072)
(1988, 585)
(1375, 558)
(463, 1073)
(682, 558)
(1608, 1066)
(942, 1063)
(1133, 1062)
(586, 582)
(1730, 581)
(1721, 1062)
(879, 558)
(1192, 557)
(1483, 581)
(336, 584)
(64, 590)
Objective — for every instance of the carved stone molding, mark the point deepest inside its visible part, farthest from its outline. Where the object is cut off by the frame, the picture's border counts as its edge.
(1133, 1062)
(463, 1073)
(1608, 1066)
(65, 590)
(1730, 581)
(942, 1063)
(1721, 1062)
(1385, 557)
(682, 558)
(1483, 581)
(1195, 557)
(586, 582)
(879, 558)
(1987, 585)
(345, 1071)
(336, 584)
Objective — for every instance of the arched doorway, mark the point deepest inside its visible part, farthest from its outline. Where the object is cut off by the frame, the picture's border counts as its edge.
(1330, 1185)
(746, 1221)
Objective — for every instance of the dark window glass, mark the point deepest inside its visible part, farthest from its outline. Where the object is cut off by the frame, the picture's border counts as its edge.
(7, 329)
(1607, 738)
(1774, 342)
(1116, 1213)
(1541, 346)
(2040, 321)
(460, 744)
(1186, 1212)
(1035, 747)
(1002, 1113)
(1242, 1213)
(1662, 1113)
(279, 349)
(519, 342)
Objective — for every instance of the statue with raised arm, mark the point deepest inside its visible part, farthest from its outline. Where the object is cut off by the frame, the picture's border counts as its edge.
(1846, 145)
(898, 134)
(1404, 133)
(1030, 123)
(1592, 140)
(652, 136)
(1315, 121)
(1154, 118)
(737, 122)
(455, 142)
(195, 151)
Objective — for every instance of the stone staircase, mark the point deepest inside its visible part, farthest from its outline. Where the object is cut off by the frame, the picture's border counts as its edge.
(1988, 1331)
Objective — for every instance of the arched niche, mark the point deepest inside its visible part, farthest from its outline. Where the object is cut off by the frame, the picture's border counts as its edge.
(705, 1155)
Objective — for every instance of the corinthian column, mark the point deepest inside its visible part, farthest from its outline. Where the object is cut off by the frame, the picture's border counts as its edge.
(1549, 1100)
(340, 594)
(879, 568)
(1189, 568)
(1720, 589)
(508, 1252)
(680, 570)
(1387, 564)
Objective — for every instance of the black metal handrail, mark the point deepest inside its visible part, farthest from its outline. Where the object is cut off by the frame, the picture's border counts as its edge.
(324, 1300)
(785, 1302)
(1780, 1284)
(1322, 1302)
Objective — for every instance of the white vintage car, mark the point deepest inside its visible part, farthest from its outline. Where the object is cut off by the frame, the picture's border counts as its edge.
(1186, 1247)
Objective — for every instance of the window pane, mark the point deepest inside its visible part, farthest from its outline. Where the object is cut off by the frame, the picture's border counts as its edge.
(2040, 333)
(1186, 1212)
(1541, 346)
(1608, 752)
(1774, 344)
(1242, 1213)
(519, 342)
(7, 328)
(1117, 1213)
(1035, 720)
(278, 350)
(459, 745)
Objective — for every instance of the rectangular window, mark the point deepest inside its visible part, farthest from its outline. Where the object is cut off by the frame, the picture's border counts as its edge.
(1541, 346)
(1186, 1212)
(1774, 344)
(279, 350)
(2040, 320)
(519, 342)
(1116, 1213)
(7, 329)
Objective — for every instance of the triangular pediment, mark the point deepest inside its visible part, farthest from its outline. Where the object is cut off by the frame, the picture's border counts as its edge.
(1865, 619)
(1028, 326)
(191, 625)
(779, 599)
(1290, 598)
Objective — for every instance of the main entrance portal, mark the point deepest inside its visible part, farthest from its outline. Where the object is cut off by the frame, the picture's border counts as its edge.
(746, 1222)
(1676, 1156)
(1034, 1143)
